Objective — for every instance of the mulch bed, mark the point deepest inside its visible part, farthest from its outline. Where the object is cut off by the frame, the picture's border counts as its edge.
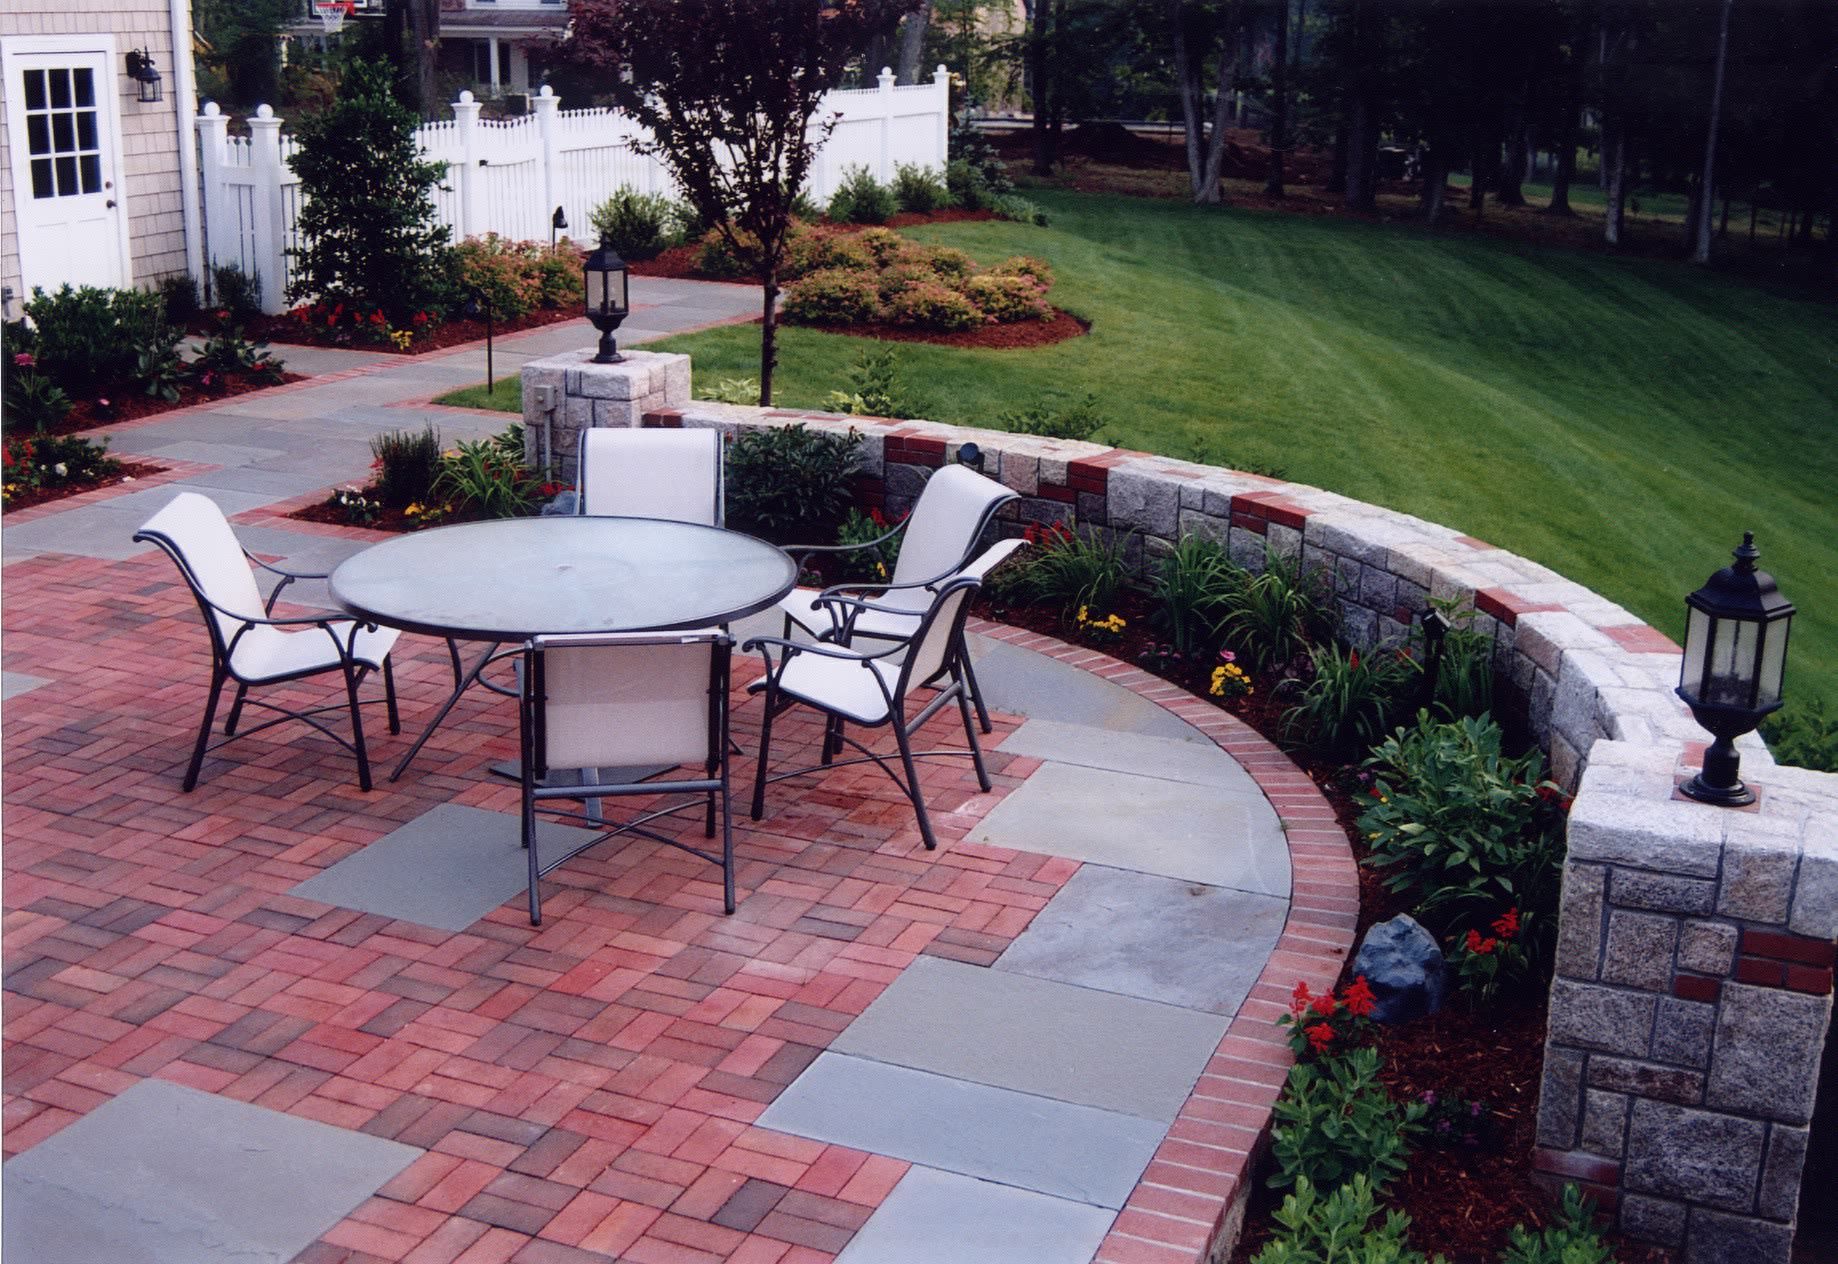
(87, 414)
(450, 333)
(45, 495)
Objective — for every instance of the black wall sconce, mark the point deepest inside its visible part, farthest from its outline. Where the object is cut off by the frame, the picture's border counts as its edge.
(143, 72)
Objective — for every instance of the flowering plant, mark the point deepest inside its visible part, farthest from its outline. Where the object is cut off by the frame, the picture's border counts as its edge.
(1484, 962)
(1328, 1023)
(1102, 631)
(1229, 679)
(1452, 1121)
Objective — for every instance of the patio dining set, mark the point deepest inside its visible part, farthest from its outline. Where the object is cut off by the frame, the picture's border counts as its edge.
(616, 622)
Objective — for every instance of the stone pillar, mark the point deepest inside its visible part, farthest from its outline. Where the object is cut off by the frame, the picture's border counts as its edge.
(1692, 996)
(568, 393)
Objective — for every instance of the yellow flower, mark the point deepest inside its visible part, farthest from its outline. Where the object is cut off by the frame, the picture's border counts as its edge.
(412, 510)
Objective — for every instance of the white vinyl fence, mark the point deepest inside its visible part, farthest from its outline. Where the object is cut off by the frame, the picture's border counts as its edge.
(507, 176)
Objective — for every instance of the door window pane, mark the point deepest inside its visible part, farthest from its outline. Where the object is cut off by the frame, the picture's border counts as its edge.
(38, 134)
(86, 129)
(60, 89)
(41, 178)
(35, 89)
(86, 86)
(63, 133)
(91, 167)
(66, 176)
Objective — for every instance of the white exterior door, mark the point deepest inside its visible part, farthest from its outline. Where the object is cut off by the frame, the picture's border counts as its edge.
(63, 124)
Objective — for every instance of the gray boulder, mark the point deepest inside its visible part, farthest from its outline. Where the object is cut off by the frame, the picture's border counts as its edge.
(1404, 968)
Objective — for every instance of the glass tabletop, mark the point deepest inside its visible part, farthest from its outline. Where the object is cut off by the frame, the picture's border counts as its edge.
(522, 577)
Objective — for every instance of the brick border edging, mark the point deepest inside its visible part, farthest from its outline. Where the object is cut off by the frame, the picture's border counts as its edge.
(1190, 1202)
(173, 471)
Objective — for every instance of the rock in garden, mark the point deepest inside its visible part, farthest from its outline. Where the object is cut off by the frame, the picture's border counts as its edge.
(1404, 968)
(563, 506)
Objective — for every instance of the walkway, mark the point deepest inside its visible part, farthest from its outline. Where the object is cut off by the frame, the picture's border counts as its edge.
(282, 1019)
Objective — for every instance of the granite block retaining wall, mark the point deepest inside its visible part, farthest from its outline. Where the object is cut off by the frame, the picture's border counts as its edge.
(1695, 959)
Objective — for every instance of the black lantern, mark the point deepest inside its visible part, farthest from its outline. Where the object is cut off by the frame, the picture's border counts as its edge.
(558, 224)
(607, 304)
(972, 456)
(1735, 653)
(1436, 627)
(142, 71)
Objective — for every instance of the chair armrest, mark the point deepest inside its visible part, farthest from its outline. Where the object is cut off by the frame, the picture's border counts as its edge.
(287, 577)
(764, 644)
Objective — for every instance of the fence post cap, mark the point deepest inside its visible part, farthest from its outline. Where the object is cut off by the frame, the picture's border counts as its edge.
(547, 91)
(212, 110)
(465, 97)
(264, 111)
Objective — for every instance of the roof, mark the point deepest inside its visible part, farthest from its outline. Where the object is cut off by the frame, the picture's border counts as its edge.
(549, 21)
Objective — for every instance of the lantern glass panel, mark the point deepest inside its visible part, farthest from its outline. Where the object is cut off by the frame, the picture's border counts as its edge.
(596, 290)
(1732, 663)
(1773, 664)
(1697, 643)
(616, 290)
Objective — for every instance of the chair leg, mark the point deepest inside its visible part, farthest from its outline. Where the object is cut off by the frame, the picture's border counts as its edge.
(357, 729)
(832, 740)
(204, 730)
(976, 747)
(236, 710)
(727, 844)
(976, 693)
(913, 791)
(529, 847)
(765, 746)
(389, 695)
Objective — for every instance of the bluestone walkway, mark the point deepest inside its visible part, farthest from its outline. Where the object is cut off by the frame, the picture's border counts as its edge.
(281, 1019)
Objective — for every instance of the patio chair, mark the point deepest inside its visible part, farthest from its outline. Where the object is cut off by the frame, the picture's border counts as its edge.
(672, 474)
(872, 690)
(625, 699)
(252, 647)
(936, 541)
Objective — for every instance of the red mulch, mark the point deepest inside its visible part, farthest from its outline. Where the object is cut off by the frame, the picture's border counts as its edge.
(45, 495)
(677, 263)
(451, 333)
(86, 414)
(1021, 333)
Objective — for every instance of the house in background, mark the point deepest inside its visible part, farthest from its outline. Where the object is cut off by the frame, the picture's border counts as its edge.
(98, 185)
(487, 43)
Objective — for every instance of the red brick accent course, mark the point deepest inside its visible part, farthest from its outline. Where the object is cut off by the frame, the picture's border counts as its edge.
(1780, 960)
(1697, 987)
(1255, 511)
(1638, 638)
(1188, 1205)
(1506, 607)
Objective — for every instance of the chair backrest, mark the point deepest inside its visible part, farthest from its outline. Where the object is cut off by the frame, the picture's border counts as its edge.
(673, 474)
(627, 699)
(195, 534)
(938, 639)
(955, 506)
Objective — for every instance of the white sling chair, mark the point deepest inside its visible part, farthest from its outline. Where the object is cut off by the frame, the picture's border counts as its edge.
(673, 474)
(872, 690)
(249, 645)
(936, 541)
(622, 699)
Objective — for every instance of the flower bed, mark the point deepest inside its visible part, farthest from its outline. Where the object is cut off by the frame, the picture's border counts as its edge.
(42, 468)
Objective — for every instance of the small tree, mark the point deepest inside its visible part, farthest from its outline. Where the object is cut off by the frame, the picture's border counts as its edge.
(367, 210)
(729, 90)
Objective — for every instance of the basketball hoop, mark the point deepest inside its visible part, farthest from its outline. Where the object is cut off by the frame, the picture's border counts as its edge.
(332, 14)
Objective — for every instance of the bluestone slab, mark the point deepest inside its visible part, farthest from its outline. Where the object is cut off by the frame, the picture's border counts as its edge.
(1181, 943)
(1196, 833)
(934, 1216)
(165, 1174)
(12, 684)
(1073, 1044)
(1077, 1152)
(1170, 759)
(1022, 682)
(447, 868)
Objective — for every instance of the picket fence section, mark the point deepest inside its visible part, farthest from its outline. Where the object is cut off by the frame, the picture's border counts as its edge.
(508, 176)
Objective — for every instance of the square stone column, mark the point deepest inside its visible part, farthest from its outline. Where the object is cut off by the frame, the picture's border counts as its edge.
(568, 393)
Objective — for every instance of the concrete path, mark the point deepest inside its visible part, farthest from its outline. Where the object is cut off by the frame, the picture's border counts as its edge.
(1023, 1090)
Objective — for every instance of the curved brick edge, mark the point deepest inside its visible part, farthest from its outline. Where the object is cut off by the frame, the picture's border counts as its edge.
(173, 472)
(1190, 1202)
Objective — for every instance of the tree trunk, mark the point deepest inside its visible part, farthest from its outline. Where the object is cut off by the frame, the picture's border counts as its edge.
(1614, 178)
(1337, 172)
(1565, 170)
(1187, 84)
(424, 37)
(1038, 57)
(1362, 153)
(1511, 191)
(768, 336)
(1479, 164)
(1208, 193)
(912, 43)
(1707, 185)
(1435, 177)
(1279, 89)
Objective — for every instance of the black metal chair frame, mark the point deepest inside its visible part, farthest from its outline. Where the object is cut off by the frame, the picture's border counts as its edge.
(222, 651)
(953, 666)
(534, 769)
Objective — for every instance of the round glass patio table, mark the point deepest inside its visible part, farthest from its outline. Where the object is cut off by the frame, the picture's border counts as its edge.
(521, 577)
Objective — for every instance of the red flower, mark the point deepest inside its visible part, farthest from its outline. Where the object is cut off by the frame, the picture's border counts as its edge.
(1506, 925)
(1324, 1005)
(1353, 659)
(6, 458)
(1376, 793)
(1320, 1036)
(1298, 1000)
(421, 318)
(1358, 998)
(24, 360)
(1478, 946)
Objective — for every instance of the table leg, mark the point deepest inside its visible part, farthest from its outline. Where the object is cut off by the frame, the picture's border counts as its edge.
(465, 682)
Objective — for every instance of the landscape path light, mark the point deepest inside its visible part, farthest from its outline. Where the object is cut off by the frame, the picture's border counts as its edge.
(1735, 654)
(607, 302)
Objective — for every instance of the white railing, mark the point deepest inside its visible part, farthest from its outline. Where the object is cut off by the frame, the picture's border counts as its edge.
(508, 176)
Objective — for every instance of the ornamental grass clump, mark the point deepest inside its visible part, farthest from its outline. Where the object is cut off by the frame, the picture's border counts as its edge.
(1192, 591)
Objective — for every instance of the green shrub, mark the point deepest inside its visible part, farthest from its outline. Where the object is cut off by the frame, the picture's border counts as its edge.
(1027, 266)
(228, 354)
(867, 565)
(179, 298)
(1469, 829)
(966, 185)
(832, 296)
(791, 484)
(731, 390)
(367, 216)
(1351, 699)
(1012, 206)
(1335, 1121)
(920, 189)
(1803, 734)
(884, 244)
(1279, 614)
(932, 305)
(1073, 568)
(805, 207)
(33, 402)
(505, 272)
(896, 276)
(637, 225)
(974, 155)
(876, 387)
(1007, 299)
(406, 462)
(487, 477)
(235, 292)
(90, 341)
(159, 373)
(1338, 1229)
(1571, 1238)
(1192, 590)
(1078, 421)
(947, 263)
(811, 251)
(558, 273)
(861, 199)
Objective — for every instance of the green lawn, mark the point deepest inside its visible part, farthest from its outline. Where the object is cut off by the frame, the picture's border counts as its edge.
(1620, 421)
